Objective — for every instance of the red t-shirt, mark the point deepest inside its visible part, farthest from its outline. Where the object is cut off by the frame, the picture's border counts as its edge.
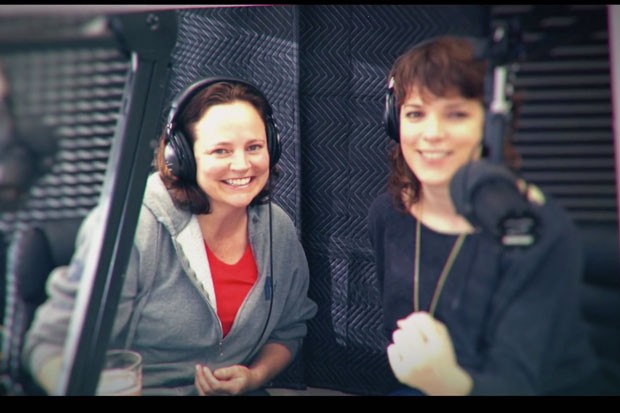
(231, 283)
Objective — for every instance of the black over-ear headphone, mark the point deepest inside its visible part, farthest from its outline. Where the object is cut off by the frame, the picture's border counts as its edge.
(178, 153)
(391, 120)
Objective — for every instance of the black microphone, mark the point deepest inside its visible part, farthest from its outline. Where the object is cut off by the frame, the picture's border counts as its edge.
(487, 195)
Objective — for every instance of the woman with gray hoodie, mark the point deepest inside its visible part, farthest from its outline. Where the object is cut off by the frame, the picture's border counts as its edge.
(215, 292)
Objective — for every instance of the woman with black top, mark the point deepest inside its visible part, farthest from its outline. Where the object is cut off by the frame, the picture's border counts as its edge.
(465, 314)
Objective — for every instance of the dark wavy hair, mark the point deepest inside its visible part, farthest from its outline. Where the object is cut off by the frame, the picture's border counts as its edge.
(443, 66)
(188, 195)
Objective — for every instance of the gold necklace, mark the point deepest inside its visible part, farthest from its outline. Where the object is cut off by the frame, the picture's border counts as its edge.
(444, 272)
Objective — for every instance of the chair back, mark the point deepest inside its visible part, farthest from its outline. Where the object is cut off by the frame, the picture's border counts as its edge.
(33, 253)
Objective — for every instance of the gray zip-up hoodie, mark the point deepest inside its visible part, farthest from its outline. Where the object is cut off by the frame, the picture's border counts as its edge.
(167, 309)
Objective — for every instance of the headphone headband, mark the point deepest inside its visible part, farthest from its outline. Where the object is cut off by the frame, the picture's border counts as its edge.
(186, 95)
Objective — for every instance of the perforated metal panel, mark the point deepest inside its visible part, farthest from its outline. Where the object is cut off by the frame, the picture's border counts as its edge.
(72, 96)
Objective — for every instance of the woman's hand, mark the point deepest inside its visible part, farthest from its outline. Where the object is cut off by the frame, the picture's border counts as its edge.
(422, 356)
(238, 379)
(225, 381)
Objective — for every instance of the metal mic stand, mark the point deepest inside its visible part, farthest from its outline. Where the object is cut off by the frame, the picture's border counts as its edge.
(504, 50)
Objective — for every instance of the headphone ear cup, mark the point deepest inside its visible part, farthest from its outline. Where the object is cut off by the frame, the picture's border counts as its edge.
(273, 143)
(179, 157)
(390, 116)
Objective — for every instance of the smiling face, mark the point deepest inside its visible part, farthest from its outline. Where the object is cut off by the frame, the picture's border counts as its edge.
(439, 134)
(232, 159)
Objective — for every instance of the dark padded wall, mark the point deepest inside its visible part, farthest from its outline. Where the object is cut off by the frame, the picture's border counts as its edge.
(345, 54)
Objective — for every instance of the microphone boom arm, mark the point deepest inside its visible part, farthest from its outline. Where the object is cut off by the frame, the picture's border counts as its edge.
(503, 52)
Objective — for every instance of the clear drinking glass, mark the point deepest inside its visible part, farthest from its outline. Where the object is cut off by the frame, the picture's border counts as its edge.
(121, 374)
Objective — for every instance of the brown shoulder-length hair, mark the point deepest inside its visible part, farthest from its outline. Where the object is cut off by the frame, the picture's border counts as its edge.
(443, 66)
(188, 195)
